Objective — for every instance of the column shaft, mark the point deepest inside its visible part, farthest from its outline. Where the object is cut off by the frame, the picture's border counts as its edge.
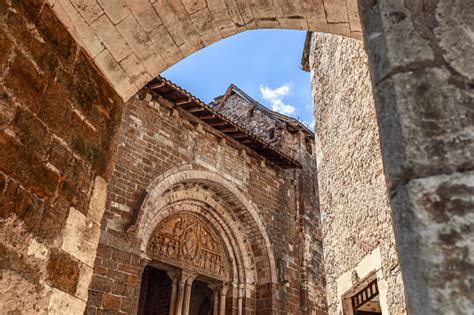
(215, 302)
(174, 287)
(187, 294)
(180, 299)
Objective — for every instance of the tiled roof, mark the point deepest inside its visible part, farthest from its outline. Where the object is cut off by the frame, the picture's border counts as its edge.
(193, 105)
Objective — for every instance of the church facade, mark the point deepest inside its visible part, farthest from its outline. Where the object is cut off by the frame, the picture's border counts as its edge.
(207, 212)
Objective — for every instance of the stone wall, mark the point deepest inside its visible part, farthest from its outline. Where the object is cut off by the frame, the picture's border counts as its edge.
(177, 158)
(422, 72)
(58, 119)
(356, 219)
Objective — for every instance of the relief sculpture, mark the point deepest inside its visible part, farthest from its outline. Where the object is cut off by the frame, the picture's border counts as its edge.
(185, 238)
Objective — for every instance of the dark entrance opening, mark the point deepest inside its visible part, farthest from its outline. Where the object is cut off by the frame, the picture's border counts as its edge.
(201, 299)
(155, 292)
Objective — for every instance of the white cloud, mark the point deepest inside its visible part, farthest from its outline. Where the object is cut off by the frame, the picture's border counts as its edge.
(275, 97)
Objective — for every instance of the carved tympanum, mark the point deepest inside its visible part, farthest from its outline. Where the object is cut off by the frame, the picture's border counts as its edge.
(187, 240)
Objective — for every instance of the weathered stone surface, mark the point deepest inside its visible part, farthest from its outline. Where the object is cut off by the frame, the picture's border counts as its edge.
(424, 141)
(44, 111)
(441, 207)
(81, 236)
(63, 271)
(423, 91)
(355, 214)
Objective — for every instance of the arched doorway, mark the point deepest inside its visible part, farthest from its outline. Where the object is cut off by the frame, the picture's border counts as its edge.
(189, 272)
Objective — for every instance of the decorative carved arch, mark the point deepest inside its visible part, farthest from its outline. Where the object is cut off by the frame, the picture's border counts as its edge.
(226, 187)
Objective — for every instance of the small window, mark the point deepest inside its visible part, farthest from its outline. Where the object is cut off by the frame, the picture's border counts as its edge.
(366, 301)
(363, 298)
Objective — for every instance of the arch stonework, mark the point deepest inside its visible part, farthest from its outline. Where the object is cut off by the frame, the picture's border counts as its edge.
(133, 41)
(210, 195)
(158, 199)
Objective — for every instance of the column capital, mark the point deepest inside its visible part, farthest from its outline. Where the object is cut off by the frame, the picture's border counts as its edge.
(174, 275)
(221, 288)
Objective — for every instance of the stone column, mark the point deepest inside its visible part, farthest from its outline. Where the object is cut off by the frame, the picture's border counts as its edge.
(421, 66)
(223, 294)
(174, 286)
(180, 297)
(215, 298)
(240, 296)
(187, 292)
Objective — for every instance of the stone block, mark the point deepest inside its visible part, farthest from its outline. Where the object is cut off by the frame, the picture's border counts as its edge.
(91, 92)
(336, 11)
(25, 82)
(63, 271)
(60, 157)
(85, 276)
(117, 76)
(80, 237)
(393, 38)
(454, 35)
(433, 219)
(111, 38)
(165, 45)
(136, 38)
(116, 10)
(56, 35)
(56, 110)
(31, 132)
(101, 284)
(98, 200)
(432, 132)
(136, 71)
(78, 27)
(30, 9)
(5, 47)
(144, 13)
(62, 303)
(89, 9)
(112, 302)
(40, 51)
(24, 166)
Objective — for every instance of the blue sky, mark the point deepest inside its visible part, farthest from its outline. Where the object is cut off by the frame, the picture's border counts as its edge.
(263, 63)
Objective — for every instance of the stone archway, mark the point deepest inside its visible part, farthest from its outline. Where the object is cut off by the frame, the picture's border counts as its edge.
(185, 242)
(134, 41)
(236, 219)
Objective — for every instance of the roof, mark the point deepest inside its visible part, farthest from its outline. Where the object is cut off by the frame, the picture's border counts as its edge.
(295, 123)
(193, 105)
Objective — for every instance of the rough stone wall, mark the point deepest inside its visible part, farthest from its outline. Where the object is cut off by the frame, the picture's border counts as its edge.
(58, 118)
(356, 218)
(156, 137)
(421, 62)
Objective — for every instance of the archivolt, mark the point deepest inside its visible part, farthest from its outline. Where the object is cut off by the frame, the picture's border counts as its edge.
(237, 208)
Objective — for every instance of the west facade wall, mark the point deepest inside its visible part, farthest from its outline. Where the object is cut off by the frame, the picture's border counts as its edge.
(157, 138)
(58, 119)
(357, 229)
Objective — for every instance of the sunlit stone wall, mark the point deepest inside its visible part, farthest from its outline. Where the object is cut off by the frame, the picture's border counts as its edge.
(358, 236)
